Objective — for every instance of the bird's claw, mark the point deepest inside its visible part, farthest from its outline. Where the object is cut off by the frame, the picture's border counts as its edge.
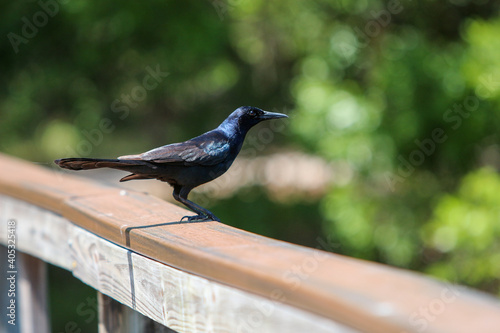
(196, 218)
(200, 218)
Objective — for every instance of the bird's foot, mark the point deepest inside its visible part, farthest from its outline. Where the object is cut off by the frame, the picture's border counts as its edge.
(196, 218)
(200, 218)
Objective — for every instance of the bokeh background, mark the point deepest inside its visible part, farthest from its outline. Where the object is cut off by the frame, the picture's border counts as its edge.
(391, 152)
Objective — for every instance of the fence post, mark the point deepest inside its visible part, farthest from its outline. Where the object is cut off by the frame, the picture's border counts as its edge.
(24, 290)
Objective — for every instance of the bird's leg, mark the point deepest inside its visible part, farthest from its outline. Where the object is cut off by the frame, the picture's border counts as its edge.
(180, 194)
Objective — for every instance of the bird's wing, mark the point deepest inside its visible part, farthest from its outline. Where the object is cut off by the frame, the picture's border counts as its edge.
(208, 149)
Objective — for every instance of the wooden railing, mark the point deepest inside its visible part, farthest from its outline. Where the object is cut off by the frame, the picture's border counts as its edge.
(151, 270)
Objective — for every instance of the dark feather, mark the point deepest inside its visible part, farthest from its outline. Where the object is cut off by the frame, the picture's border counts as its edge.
(208, 149)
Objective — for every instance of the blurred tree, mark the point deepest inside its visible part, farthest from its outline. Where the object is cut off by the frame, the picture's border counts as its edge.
(464, 234)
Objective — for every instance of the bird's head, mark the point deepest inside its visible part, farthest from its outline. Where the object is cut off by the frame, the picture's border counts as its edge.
(245, 117)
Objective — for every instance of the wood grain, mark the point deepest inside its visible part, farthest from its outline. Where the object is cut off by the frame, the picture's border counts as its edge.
(34, 315)
(361, 295)
(179, 300)
(116, 317)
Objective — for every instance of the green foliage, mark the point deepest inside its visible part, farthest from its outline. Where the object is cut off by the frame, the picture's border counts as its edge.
(465, 232)
(377, 111)
(482, 66)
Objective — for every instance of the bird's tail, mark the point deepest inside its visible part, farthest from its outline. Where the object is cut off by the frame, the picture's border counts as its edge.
(96, 163)
(140, 169)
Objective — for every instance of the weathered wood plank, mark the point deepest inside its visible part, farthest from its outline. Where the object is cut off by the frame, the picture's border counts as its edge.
(116, 317)
(9, 297)
(179, 300)
(33, 304)
(23, 286)
(44, 187)
(44, 232)
(362, 295)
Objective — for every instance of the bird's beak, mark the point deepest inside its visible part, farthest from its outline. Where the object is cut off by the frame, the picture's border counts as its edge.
(272, 115)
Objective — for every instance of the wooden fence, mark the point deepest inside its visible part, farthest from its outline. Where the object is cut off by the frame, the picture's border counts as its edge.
(156, 274)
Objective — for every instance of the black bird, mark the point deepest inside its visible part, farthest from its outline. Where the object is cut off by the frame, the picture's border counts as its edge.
(188, 164)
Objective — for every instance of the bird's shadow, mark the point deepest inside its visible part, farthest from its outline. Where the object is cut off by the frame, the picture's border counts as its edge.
(129, 229)
(129, 251)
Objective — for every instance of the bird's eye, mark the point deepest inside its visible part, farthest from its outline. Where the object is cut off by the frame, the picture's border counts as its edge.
(252, 113)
